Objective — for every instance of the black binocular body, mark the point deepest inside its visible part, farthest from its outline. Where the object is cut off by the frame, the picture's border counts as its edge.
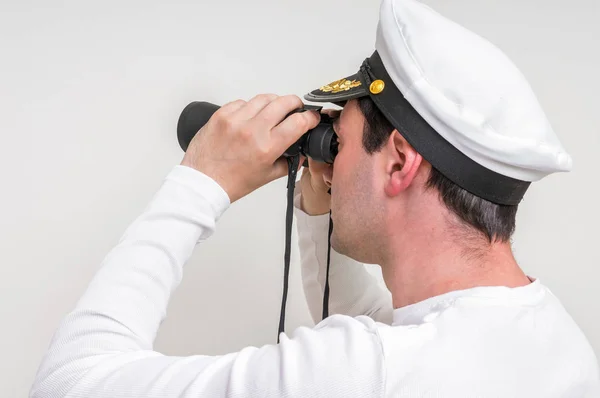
(319, 143)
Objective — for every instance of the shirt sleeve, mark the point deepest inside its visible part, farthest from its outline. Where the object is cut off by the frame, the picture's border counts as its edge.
(353, 290)
(104, 347)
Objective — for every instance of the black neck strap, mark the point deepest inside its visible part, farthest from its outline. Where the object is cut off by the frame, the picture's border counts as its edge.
(326, 289)
(293, 163)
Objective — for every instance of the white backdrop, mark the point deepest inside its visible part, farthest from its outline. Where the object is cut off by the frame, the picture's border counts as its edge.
(90, 93)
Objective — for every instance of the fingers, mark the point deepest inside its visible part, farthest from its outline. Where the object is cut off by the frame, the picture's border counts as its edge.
(231, 107)
(268, 110)
(333, 113)
(292, 128)
(264, 119)
(254, 106)
(316, 167)
(320, 173)
(278, 109)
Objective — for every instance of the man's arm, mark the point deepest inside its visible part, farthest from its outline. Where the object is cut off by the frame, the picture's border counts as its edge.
(104, 348)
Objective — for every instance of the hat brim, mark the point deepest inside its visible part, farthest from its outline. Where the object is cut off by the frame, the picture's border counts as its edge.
(339, 91)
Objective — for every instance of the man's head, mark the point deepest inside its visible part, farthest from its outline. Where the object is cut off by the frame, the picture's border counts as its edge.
(438, 122)
(380, 180)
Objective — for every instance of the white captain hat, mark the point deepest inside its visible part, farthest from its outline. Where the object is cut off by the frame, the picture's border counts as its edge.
(458, 100)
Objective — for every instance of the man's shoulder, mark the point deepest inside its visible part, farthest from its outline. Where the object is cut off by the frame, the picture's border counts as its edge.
(526, 338)
(341, 336)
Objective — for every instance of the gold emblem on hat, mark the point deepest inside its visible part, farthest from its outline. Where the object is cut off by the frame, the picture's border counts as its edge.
(377, 86)
(340, 85)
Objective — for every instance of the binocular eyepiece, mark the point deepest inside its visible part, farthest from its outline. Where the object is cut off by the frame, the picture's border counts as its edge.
(319, 143)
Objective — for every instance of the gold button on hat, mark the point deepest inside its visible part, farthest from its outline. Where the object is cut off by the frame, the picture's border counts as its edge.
(377, 86)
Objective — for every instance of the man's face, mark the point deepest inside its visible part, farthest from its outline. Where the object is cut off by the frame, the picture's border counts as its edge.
(356, 208)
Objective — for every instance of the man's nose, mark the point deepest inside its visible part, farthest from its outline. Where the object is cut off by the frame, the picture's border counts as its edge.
(328, 175)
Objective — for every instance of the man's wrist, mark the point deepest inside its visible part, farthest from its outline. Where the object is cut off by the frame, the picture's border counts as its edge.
(203, 185)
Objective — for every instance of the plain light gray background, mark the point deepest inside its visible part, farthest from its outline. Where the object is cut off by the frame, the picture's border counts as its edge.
(90, 93)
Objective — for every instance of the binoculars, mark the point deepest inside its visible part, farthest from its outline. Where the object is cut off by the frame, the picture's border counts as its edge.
(319, 143)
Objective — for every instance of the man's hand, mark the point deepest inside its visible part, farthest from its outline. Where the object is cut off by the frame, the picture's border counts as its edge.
(242, 144)
(315, 183)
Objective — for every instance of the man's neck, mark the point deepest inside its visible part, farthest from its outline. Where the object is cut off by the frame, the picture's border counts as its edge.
(428, 262)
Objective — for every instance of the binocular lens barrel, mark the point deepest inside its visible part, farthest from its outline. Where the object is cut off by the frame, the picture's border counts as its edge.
(319, 143)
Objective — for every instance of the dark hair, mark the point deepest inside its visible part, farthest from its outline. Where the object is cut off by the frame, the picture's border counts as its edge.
(496, 222)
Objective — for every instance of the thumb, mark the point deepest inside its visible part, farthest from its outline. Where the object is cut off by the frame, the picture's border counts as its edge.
(280, 169)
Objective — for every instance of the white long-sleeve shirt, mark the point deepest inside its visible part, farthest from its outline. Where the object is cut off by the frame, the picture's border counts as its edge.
(482, 342)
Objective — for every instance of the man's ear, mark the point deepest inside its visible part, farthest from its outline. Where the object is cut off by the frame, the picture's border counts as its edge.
(402, 164)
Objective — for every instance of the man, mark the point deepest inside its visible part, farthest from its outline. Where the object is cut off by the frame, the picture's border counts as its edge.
(439, 138)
